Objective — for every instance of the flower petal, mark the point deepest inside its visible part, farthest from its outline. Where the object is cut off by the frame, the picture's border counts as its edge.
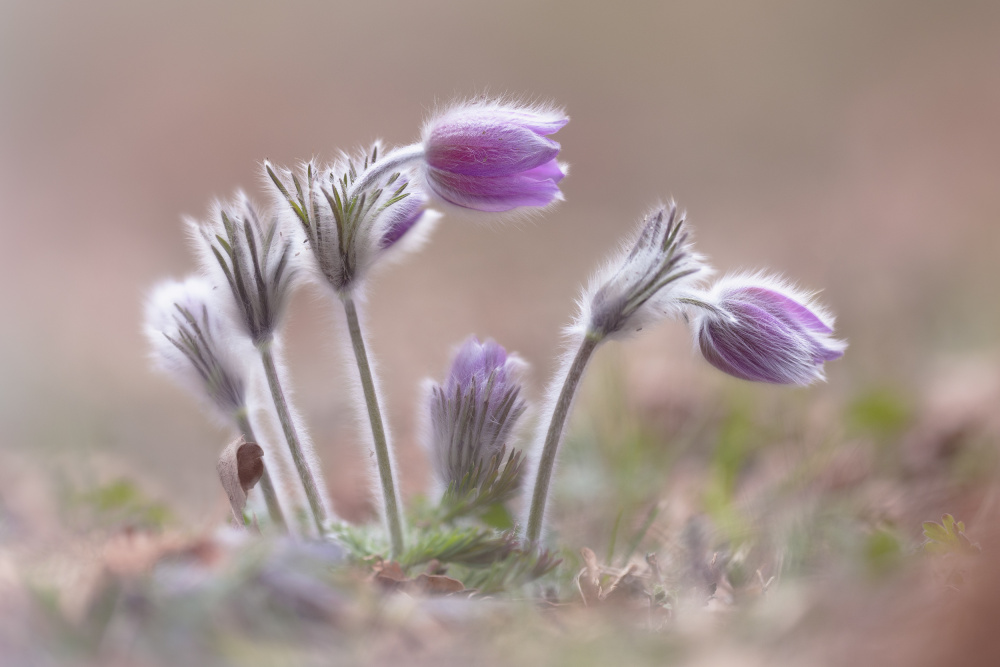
(476, 148)
(495, 194)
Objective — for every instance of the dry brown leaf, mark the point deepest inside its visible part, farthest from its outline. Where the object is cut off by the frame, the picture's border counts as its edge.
(240, 467)
(389, 574)
(434, 584)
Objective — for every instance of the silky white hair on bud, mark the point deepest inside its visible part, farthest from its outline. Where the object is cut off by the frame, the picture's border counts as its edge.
(643, 282)
(250, 251)
(195, 342)
(349, 224)
(474, 416)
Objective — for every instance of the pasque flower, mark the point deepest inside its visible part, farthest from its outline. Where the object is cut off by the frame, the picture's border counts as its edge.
(760, 328)
(248, 250)
(494, 156)
(474, 413)
(643, 283)
(192, 344)
(353, 213)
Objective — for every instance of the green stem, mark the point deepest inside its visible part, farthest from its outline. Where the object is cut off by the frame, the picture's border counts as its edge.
(547, 461)
(378, 430)
(292, 438)
(266, 486)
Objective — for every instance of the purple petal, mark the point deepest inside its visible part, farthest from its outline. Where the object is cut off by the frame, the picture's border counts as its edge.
(475, 148)
(550, 170)
(474, 362)
(782, 306)
(759, 347)
(827, 354)
(496, 194)
(408, 213)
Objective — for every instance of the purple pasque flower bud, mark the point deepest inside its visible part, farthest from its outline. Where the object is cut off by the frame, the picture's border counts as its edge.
(194, 342)
(760, 328)
(643, 284)
(353, 212)
(474, 413)
(494, 156)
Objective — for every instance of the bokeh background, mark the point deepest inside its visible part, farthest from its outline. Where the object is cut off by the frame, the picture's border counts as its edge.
(853, 146)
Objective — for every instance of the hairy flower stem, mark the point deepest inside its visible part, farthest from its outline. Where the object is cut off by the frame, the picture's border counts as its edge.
(392, 161)
(266, 486)
(292, 438)
(553, 436)
(378, 429)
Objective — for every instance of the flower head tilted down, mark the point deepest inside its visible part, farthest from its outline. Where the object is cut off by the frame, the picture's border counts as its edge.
(759, 328)
(494, 156)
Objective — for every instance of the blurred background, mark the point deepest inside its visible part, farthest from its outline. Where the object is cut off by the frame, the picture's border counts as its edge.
(852, 146)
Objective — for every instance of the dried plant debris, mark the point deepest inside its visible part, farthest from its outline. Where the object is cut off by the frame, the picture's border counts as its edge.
(240, 467)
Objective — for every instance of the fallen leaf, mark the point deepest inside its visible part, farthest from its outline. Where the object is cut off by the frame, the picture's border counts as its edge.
(389, 574)
(434, 584)
(240, 467)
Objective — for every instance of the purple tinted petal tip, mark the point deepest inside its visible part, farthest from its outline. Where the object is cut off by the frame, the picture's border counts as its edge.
(474, 362)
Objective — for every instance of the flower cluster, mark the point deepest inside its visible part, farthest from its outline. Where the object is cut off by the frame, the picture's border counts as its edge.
(338, 222)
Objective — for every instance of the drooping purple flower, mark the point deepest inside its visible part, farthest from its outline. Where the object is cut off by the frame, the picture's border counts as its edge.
(494, 156)
(759, 328)
(474, 413)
